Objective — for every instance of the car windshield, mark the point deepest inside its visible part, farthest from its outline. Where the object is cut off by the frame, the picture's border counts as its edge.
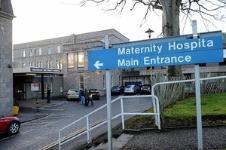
(93, 90)
(145, 86)
(130, 86)
(115, 87)
(74, 90)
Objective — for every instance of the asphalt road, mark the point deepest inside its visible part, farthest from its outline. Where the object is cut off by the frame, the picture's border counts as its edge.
(39, 133)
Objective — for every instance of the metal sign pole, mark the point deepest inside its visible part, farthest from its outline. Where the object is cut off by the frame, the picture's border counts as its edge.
(197, 93)
(108, 93)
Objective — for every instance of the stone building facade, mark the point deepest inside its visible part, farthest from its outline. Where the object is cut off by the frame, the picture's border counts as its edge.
(77, 75)
(66, 54)
(40, 64)
(42, 54)
(6, 77)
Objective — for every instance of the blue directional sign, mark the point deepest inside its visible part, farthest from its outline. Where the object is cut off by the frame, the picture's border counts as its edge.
(182, 50)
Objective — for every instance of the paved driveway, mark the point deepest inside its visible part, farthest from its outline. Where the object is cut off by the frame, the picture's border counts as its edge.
(38, 133)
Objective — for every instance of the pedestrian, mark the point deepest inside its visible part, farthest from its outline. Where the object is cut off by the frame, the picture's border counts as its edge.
(81, 97)
(90, 99)
(86, 97)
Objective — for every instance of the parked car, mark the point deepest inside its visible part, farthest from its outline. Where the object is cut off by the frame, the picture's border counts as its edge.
(94, 94)
(9, 125)
(116, 90)
(72, 94)
(132, 89)
(145, 89)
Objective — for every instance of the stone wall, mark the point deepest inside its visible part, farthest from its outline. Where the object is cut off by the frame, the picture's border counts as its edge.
(6, 76)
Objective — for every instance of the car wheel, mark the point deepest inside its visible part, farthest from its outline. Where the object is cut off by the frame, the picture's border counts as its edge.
(14, 127)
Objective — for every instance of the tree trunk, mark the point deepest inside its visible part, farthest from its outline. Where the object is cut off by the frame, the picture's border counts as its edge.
(170, 26)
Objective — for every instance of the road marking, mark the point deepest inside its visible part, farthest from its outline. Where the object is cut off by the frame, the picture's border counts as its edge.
(27, 131)
(55, 109)
(35, 120)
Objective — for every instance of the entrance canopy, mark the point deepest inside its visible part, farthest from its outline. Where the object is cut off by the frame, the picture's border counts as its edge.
(36, 70)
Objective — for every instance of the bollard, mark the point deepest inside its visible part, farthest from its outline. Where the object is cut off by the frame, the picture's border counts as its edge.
(48, 95)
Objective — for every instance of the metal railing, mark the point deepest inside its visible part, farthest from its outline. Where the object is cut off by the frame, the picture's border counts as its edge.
(180, 81)
(184, 81)
(88, 128)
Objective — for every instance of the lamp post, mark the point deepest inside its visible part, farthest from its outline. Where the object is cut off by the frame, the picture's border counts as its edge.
(149, 31)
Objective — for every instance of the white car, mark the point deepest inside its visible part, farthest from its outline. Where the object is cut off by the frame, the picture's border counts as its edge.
(131, 89)
(73, 94)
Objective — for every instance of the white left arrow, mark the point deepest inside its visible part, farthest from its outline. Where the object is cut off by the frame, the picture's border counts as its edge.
(98, 64)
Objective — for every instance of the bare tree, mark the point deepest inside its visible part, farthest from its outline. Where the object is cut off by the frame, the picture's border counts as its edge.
(171, 9)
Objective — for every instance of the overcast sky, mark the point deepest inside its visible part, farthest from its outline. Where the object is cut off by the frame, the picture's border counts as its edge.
(43, 19)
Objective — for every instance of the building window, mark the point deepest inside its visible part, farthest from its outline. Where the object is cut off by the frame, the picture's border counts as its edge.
(81, 82)
(49, 64)
(40, 51)
(81, 60)
(24, 53)
(61, 64)
(40, 64)
(57, 64)
(31, 52)
(34, 52)
(46, 64)
(71, 61)
(49, 51)
(59, 49)
(30, 64)
(23, 65)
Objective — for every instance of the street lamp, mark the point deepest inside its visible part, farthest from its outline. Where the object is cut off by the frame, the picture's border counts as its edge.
(149, 31)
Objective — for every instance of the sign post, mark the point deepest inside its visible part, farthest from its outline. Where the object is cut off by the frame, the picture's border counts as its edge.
(108, 93)
(197, 94)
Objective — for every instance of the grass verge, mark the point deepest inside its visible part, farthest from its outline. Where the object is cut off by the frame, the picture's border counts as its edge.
(183, 113)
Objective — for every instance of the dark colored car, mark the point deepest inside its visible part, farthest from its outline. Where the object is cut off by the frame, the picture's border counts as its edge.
(117, 90)
(146, 89)
(9, 125)
(94, 94)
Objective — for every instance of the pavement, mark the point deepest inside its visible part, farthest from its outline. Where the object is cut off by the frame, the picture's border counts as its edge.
(117, 144)
(31, 109)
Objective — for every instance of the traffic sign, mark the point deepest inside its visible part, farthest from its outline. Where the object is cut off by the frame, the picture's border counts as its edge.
(182, 50)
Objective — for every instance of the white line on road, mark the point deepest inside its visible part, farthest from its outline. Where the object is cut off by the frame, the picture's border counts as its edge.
(51, 109)
(27, 131)
(35, 120)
